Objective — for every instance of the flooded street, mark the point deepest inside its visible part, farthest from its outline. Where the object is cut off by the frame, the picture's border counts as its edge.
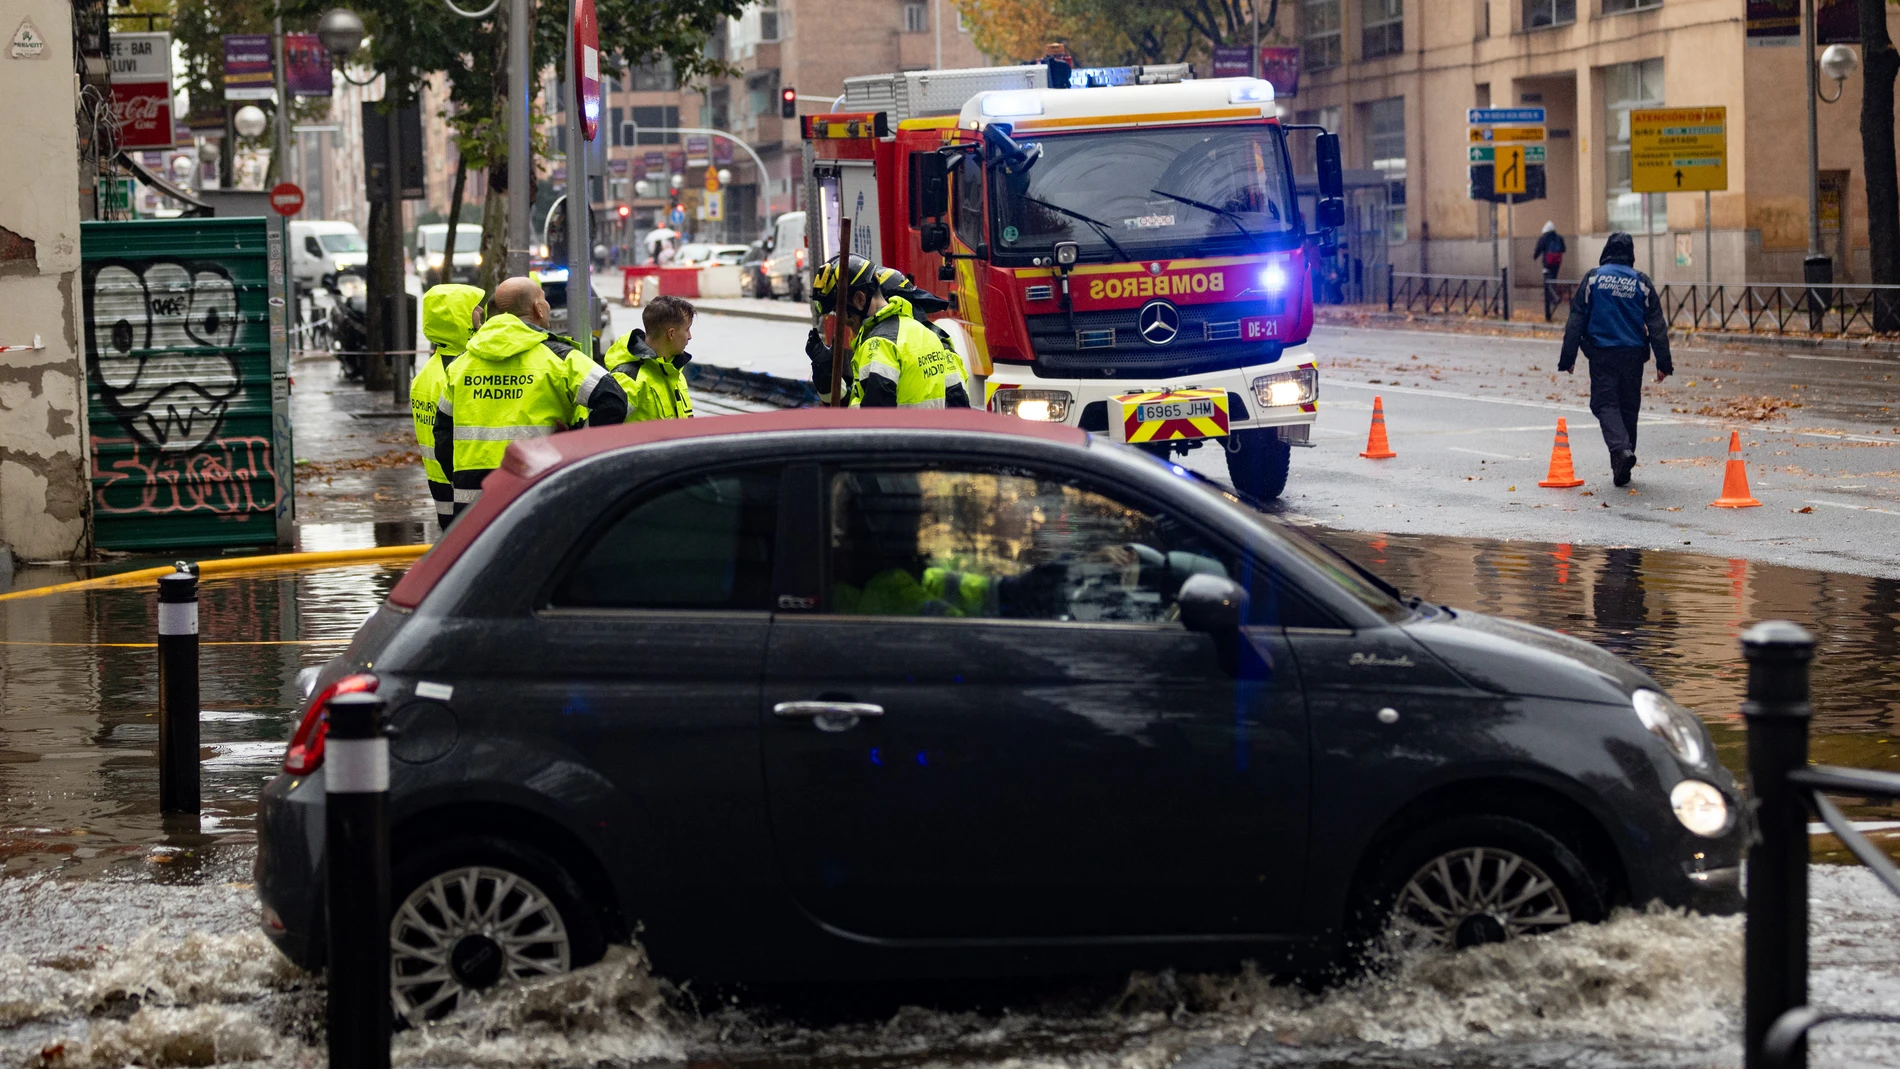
(131, 941)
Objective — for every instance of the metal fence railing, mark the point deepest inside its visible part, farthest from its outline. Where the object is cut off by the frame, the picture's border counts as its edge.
(1784, 787)
(1485, 296)
(1767, 307)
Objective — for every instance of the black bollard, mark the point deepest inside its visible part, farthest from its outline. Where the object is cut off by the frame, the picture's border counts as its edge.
(1776, 949)
(178, 691)
(356, 826)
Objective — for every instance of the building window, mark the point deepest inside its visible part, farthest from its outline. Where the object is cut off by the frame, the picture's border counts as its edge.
(651, 120)
(962, 26)
(769, 19)
(1382, 28)
(1385, 149)
(916, 18)
(1627, 86)
(1320, 23)
(1616, 7)
(1541, 13)
(657, 78)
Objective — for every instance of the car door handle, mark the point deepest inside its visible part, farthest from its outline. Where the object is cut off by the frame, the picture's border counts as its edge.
(825, 708)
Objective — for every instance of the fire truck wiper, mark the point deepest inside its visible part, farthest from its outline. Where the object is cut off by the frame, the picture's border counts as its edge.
(1225, 213)
(1100, 227)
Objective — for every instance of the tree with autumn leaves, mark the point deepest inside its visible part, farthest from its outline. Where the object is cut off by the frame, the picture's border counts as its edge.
(1113, 32)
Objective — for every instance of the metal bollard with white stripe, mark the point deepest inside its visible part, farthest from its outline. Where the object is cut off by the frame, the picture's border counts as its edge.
(356, 828)
(178, 691)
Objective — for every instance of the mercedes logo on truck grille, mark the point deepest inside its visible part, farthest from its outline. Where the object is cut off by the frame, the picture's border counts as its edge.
(1158, 322)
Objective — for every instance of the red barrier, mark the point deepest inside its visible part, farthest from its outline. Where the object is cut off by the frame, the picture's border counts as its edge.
(679, 281)
(629, 290)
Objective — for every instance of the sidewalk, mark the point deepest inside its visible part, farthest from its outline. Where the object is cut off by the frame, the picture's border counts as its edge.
(1529, 324)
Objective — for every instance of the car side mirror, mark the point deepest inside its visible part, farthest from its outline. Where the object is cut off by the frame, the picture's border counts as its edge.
(1332, 175)
(1331, 213)
(934, 237)
(1212, 604)
(929, 186)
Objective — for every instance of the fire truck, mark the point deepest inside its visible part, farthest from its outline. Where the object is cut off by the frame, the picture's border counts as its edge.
(1122, 248)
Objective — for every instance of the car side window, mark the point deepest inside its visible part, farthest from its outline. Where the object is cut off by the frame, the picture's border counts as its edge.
(969, 213)
(1007, 544)
(705, 543)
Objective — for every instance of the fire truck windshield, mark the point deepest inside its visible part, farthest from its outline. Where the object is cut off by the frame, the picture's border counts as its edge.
(1157, 191)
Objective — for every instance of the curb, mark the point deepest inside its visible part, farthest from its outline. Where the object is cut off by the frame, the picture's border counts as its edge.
(1871, 348)
(747, 313)
(231, 566)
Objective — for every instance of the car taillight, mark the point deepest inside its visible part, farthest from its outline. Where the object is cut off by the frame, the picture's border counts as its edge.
(801, 257)
(305, 754)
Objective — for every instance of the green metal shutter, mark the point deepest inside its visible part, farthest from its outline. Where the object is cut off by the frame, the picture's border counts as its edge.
(187, 383)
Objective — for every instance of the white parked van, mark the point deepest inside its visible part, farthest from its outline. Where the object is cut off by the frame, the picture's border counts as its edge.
(786, 265)
(321, 246)
(431, 237)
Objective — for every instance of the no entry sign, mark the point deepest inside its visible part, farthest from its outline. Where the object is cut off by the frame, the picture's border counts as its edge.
(286, 198)
(587, 67)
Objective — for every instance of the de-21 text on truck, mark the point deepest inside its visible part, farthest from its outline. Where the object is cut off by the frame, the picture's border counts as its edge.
(1122, 248)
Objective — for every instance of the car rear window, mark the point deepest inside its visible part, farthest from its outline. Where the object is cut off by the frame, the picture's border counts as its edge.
(702, 544)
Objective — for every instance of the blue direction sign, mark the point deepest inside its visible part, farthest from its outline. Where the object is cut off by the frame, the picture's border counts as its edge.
(1503, 116)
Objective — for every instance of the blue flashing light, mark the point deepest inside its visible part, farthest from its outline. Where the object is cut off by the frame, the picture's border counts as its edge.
(876, 758)
(1273, 278)
(1250, 91)
(1012, 102)
(923, 758)
(554, 274)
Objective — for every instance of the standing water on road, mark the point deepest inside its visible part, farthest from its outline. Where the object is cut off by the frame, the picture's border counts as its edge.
(128, 940)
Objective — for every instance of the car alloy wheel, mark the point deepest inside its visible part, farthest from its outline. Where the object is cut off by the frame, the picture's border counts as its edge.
(470, 929)
(1475, 895)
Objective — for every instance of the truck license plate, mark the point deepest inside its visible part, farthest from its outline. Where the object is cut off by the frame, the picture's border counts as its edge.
(1169, 415)
(1200, 408)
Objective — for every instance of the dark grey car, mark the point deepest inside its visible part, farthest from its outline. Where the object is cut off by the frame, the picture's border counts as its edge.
(870, 694)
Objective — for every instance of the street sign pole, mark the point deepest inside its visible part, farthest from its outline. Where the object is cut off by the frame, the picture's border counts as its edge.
(583, 81)
(1708, 243)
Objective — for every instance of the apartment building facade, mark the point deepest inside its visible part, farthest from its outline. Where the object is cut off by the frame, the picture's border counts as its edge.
(1395, 78)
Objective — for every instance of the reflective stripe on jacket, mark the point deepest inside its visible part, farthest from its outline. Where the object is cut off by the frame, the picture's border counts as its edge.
(656, 388)
(509, 386)
(448, 320)
(900, 361)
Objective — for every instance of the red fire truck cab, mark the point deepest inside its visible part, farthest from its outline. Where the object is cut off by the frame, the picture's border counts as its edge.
(1126, 254)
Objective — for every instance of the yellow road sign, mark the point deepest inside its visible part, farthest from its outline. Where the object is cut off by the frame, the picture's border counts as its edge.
(1675, 150)
(1509, 175)
(1487, 134)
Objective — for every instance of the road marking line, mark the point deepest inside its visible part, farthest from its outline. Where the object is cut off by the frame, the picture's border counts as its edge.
(1575, 409)
(1845, 437)
(1482, 453)
(1845, 359)
(1856, 508)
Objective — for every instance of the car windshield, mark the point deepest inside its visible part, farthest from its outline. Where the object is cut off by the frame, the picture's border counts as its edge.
(467, 239)
(1152, 190)
(693, 253)
(342, 243)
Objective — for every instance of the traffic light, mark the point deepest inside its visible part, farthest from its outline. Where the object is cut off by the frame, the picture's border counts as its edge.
(625, 211)
(788, 103)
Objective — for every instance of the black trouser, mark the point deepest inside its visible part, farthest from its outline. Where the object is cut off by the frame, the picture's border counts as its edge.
(1616, 395)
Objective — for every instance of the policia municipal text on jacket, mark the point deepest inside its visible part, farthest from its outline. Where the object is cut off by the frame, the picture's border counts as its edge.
(450, 313)
(1616, 318)
(513, 384)
(899, 360)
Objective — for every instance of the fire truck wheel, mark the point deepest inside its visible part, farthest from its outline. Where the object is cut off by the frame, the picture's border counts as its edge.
(1257, 462)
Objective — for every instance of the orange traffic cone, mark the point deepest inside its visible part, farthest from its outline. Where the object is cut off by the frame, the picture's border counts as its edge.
(1377, 448)
(1562, 474)
(1735, 480)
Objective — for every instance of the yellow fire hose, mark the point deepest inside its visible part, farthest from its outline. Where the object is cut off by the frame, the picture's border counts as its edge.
(233, 566)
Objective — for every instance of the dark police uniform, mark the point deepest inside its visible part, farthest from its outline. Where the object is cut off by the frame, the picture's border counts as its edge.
(1616, 318)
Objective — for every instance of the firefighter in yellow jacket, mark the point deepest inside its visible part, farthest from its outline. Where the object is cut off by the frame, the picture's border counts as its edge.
(451, 313)
(650, 364)
(512, 385)
(898, 361)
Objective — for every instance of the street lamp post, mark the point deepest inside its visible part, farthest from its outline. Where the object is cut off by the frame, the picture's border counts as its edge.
(1817, 269)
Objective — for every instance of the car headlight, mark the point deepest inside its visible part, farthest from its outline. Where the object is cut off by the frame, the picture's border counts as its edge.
(1700, 807)
(435, 259)
(1297, 387)
(1677, 727)
(1038, 406)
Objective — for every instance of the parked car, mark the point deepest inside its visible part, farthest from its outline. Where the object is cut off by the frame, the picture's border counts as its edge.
(752, 280)
(786, 268)
(553, 280)
(320, 247)
(430, 240)
(825, 694)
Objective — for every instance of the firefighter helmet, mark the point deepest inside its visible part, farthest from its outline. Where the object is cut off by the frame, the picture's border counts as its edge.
(859, 276)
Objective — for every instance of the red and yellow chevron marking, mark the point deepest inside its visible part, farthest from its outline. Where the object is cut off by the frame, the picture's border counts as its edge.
(1135, 429)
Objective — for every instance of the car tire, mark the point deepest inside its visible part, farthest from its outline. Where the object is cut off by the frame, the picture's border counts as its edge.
(1257, 462)
(1471, 880)
(439, 895)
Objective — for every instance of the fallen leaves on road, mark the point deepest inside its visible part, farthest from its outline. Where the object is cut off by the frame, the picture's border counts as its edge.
(1805, 508)
(324, 469)
(1754, 409)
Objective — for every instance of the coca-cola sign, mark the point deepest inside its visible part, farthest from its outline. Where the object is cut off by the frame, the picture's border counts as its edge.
(143, 111)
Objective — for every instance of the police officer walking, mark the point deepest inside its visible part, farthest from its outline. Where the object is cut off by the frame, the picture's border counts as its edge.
(650, 364)
(511, 385)
(898, 361)
(450, 313)
(1616, 318)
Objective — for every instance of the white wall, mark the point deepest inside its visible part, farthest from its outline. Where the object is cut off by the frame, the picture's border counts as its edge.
(44, 492)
